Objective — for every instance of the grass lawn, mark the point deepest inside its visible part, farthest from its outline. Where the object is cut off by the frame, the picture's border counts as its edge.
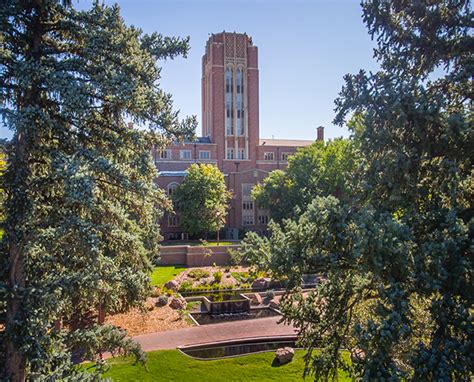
(165, 273)
(198, 243)
(171, 365)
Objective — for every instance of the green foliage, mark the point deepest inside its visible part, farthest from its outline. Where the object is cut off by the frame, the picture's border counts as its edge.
(217, 277)
(162, 300)
(198, 273)
(202, 199)
(397, 254)
(320, 169)
(164, 273)
(81, 204)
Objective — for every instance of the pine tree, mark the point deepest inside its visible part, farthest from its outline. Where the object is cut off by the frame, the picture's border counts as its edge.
(81, 205)
(397, 260)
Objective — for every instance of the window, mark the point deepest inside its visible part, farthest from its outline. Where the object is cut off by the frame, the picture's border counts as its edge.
(241, 154)
(230, 153)
(247, 220)
(247, 206)
(185, 154)
(284, 156)
(173, 221)
(262, 219)
(268, 156)
(239, 98)
(204, 154)
(228, 81)
(171, 187)
(229, 112)
(164, 154)
(246, 189)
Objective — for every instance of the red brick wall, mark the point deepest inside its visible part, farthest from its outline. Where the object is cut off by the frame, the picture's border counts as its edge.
(196, 256)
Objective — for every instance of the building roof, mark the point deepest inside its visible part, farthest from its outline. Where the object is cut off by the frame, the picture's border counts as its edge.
(285, 142)
(171, 173)
(198, 140)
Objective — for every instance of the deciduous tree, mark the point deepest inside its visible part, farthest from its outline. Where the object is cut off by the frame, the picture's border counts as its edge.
(202, 199)
(320, 169)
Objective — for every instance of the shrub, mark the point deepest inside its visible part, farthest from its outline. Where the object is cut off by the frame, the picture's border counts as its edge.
(217, 277)
(155, 292)
(162, 300)
(198, 273)
(269, 294)
(185, 285)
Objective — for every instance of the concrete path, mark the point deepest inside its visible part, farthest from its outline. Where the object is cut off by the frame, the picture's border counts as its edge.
(215, 332)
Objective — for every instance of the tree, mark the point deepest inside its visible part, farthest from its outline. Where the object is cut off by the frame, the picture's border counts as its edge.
(397, 257)
(320, 169)
(202, 199)
(81, 204)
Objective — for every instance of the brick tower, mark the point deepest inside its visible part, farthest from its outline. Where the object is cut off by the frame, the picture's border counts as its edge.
(230, 97)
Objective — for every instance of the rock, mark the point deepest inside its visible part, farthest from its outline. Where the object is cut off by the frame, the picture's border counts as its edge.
(284, 355)
(150, 303)
(261, 282)
(172, 285)
(256, 299)
(274, 303)
(357, 355)
(178, 303)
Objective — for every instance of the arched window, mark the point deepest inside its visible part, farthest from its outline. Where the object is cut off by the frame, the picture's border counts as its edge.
(171, 187)
(229, 107)
(240, 101)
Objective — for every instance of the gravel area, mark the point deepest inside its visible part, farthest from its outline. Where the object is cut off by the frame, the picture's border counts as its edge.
(138, 322)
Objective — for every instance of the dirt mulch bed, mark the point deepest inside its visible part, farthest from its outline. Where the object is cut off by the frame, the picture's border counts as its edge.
(138, 322)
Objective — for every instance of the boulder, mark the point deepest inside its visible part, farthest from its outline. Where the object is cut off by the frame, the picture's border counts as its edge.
(178, 303)
(172, 285)
(261, 282)
(256, 299)
(284, 355)
(150, 303)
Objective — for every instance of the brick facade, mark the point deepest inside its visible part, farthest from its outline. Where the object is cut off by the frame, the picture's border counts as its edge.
(230, 134)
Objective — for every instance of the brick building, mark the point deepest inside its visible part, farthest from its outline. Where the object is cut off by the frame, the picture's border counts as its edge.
(230, 135)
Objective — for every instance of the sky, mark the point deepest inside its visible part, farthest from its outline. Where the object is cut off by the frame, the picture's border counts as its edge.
(305, 49)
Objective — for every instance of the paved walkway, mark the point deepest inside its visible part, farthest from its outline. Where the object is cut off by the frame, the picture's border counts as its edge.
(215, 332)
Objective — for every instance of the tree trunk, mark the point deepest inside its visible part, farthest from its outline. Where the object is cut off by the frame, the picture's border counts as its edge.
(15, 362)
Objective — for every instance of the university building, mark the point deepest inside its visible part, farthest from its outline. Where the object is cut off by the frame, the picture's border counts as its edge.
(230, 135)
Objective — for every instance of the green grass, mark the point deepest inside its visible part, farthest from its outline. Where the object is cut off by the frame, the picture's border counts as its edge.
(165, 273)
(171, 365)
(198, 243)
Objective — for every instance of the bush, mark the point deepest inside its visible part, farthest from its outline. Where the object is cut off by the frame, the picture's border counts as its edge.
(185, 285)
(217, 277)
(155, 292)
(162, 300)
(198, 273)
(269, 294)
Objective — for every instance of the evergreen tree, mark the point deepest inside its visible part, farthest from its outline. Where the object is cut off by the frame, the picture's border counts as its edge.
(398, 258)
(81, 204)
(202, 199)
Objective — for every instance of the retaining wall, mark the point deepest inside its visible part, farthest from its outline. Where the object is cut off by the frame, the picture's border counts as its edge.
(196, 256)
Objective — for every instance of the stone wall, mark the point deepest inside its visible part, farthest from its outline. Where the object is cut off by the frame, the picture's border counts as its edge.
(196, 256)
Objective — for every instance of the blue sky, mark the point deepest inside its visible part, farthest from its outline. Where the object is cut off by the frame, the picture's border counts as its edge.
(305, 49)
